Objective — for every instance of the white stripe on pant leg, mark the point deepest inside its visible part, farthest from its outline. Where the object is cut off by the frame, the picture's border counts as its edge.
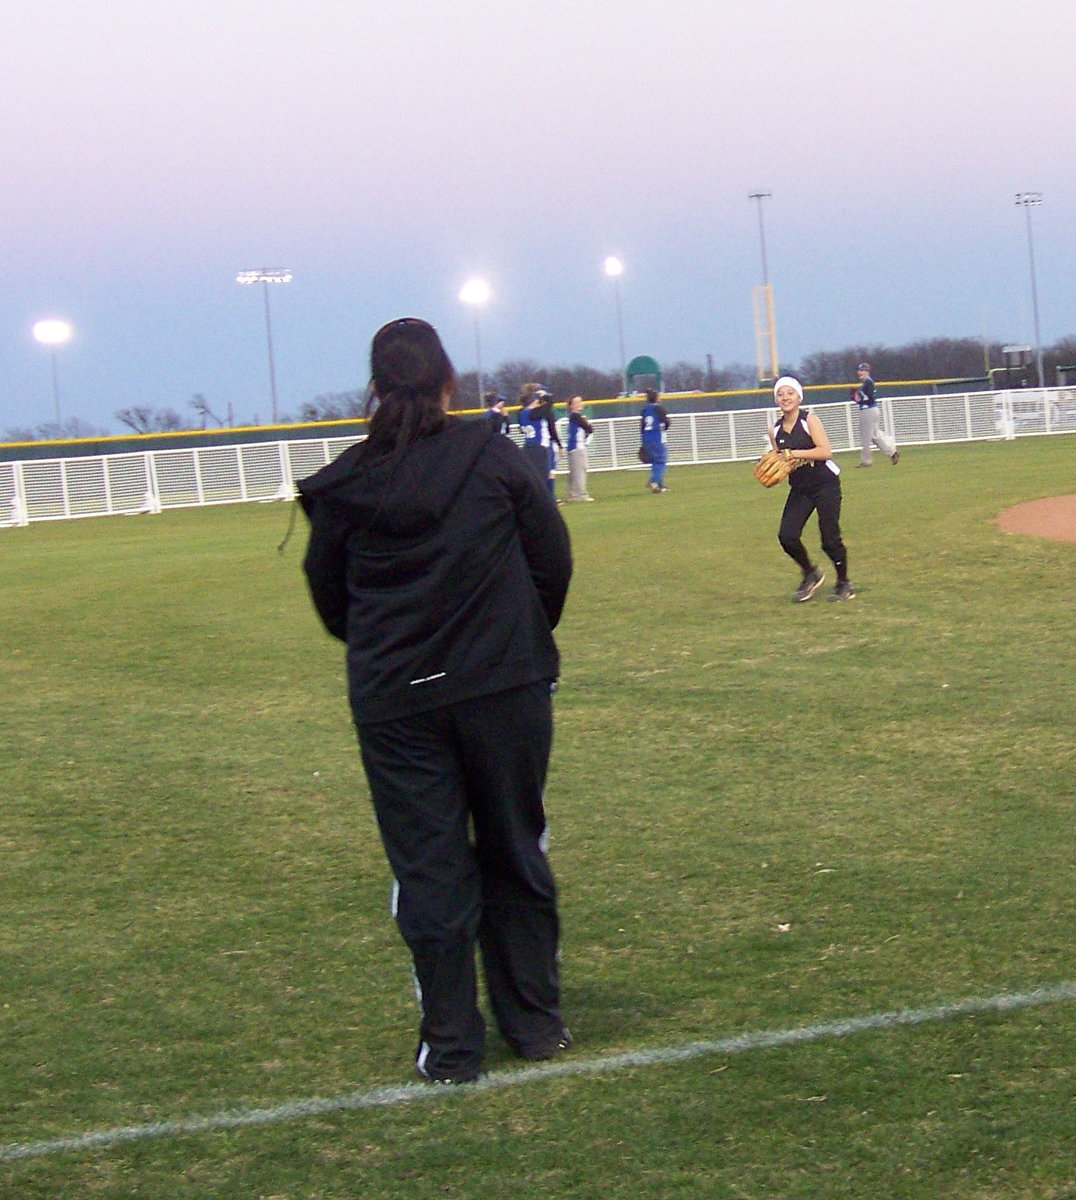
(394, 907)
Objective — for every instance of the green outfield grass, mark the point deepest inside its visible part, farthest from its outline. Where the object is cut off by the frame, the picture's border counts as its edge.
(764, 816)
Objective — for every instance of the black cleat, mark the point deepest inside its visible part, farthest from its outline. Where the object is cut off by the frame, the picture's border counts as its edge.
(812, 581)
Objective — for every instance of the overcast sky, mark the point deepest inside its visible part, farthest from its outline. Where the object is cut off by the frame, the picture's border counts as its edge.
(387, 152)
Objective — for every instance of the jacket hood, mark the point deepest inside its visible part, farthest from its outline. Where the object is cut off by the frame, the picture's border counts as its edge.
(405, 498)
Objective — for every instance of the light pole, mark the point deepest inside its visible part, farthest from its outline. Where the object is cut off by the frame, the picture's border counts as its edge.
(265, 276)
(614, 268)
(53, 333)
(765, 326)
(475, 292)
(1027, 201)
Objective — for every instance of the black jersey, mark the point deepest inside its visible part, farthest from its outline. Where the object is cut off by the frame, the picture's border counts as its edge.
(812, 475)
(864, 394)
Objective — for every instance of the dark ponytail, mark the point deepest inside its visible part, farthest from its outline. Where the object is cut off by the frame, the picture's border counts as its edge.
(409, 372)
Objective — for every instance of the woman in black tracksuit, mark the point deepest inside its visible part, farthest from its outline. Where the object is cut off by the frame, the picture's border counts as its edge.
(814, 485)
(438, 555)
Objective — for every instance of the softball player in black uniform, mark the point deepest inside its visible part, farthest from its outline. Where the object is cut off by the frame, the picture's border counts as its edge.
(815, 485)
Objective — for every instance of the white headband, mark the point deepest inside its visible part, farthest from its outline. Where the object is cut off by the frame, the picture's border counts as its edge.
(788, 381)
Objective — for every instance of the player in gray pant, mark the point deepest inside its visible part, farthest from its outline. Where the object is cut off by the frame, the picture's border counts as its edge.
(870, 420)
(579, 429)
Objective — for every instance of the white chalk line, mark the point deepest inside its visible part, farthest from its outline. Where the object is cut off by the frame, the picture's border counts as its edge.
(498, 1080)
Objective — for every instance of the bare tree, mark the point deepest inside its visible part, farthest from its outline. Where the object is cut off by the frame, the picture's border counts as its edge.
(201, 407)
(565, 382)
(70, 429)
(143, 419)
(510, 377)
(937, 358)
(335, 406)
(691, 377)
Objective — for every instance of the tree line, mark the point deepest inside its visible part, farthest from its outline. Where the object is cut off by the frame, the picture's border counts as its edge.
(935, 358)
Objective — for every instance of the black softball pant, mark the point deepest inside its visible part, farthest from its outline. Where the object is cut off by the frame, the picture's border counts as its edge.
(458, 794)
(798, 508)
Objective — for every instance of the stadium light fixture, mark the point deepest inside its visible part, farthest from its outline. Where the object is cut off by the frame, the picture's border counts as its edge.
(476, 293)
(53, 332)
(266, 276)
(1027, 201)
(614, 268)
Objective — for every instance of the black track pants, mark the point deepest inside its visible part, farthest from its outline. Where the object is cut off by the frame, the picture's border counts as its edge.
(797, 510)
(458, 797)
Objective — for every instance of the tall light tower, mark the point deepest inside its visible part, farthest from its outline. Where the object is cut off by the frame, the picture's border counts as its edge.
(614, 268)
(265, 276)
(762, 300)
(475, 292)
(1027, 201)
(52, 333)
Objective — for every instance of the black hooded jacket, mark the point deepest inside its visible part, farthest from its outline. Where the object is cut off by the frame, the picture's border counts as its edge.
(444, 574)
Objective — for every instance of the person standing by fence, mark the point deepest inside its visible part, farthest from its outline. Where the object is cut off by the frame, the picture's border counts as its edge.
(653, 425)
(495, 414)
(870, 420)
(579, 431)
(540, 438)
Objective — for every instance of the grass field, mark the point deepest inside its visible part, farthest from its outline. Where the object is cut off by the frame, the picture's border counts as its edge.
(765, 816)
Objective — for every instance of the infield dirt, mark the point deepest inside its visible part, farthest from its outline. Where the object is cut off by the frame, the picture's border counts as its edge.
(1054, 518)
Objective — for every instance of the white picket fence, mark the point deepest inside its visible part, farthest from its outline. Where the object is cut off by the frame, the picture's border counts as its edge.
(153, 480)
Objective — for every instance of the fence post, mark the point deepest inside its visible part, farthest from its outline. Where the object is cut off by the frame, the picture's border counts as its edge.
(151, 498)
(241, 473)
(64, 494)
(20, 513)
(286, 491)
(1008, 420)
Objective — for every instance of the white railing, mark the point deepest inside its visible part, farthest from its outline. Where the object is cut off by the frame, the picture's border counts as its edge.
(152, 480)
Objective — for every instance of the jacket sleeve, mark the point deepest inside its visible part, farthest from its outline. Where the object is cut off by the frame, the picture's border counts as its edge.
(325, 566)
(544, 538)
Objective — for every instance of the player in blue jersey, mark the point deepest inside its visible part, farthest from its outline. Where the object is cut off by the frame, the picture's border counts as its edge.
(540, 438)
(653, 423)
(870, 420)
